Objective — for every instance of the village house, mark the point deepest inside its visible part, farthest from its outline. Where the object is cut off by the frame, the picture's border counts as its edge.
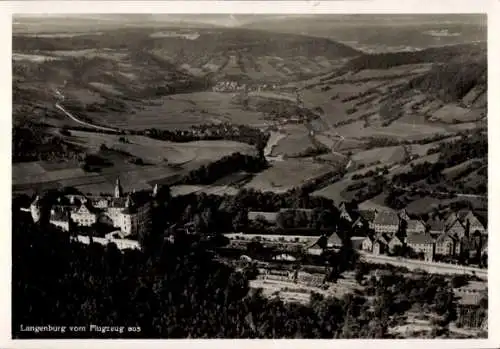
(334, 241)
(422, 243)
(436, 227)
(446, 245)
(357, 242)
(379, 246)
(457, 229)
(367, 244)
(473, 223)
(386, 221)
(315, 249)
(472, 244)
(368, 217)
(393, 243)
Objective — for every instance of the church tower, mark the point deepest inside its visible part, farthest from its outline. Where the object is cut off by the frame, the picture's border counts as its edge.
(155, 190)
(118, 189)
(35, 209)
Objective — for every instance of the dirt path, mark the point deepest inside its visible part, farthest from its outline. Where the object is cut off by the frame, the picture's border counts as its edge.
(75, 119)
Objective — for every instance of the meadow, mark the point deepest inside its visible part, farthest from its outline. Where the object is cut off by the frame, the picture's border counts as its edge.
(162, 161)
(285, 175)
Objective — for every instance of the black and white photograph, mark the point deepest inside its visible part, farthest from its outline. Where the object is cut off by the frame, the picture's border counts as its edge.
(249, 176)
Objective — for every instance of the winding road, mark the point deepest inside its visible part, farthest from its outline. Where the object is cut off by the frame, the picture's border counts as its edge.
(84, 123)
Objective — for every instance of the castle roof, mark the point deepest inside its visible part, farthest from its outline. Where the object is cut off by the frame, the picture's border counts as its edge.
(36, 202)
(59, 214)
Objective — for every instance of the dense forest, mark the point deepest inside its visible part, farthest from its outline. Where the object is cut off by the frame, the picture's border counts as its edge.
(30, 142)
(452, 81)
(430, 55)
(207, 174)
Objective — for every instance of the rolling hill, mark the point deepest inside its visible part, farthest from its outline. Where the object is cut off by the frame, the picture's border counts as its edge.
(116, 70)
(383, 33)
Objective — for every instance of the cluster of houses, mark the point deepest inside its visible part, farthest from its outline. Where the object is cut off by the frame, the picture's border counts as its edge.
(126, 215)
(231, 86)
(384, 232)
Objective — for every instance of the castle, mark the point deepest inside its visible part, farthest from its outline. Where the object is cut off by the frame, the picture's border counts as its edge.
(130, 213)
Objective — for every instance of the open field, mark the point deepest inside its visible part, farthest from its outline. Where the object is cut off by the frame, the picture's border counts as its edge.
(285, 175)
(295, 143)
(157, 151)
(397, 130)
(180, 190)
(384, 155)
(110, 65)
(453, 113)
(336, 191)
(183, 111)
(162, 160)
(376, 203)
(131, 176)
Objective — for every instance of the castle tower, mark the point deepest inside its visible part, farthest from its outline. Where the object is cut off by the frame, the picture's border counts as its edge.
(129, 203)
(118, 189)
(35, 209)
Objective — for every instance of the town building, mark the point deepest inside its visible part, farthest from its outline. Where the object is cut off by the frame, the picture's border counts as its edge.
(473, 223)
(334, 241)
(379, 246)
(436, 227)
(446, 245)
(368, 216)
(457, 229)
(393, 243)
(357, 242)
(367, 244)
(422, 243)
(386, 221)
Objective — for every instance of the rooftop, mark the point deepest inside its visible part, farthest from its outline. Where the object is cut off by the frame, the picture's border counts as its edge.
(386, 218)
(419, 239)
(368, 215)
(59, 214)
